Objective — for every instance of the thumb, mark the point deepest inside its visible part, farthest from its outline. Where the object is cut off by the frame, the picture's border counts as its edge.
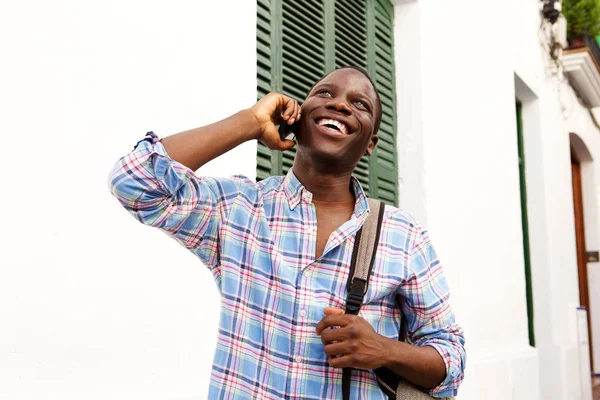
(334, 311)
(287, 144)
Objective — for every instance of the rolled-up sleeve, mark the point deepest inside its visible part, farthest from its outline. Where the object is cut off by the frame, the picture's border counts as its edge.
(428, 316)
(163, 193)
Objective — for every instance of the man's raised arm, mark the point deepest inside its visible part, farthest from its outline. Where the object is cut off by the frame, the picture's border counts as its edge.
(196, 147)
(157, 185)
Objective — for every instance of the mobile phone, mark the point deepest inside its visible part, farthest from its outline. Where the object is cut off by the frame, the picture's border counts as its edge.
(285, 130)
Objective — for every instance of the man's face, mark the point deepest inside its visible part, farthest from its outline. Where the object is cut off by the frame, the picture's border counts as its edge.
(338, 118)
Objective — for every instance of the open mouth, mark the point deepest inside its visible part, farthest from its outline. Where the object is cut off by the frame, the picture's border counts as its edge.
(333, 125)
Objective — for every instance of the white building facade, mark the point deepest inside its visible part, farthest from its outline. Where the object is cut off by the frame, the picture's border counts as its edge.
(98, 306)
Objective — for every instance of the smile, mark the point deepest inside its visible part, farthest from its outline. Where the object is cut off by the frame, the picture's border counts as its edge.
(333, 126)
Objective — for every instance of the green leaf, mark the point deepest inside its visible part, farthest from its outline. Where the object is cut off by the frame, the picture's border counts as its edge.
(583, 17)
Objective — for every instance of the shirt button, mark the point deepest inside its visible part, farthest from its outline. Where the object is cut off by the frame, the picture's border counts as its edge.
(303, 313)
(298, 359)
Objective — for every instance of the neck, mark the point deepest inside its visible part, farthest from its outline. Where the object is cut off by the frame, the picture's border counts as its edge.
(326, 186)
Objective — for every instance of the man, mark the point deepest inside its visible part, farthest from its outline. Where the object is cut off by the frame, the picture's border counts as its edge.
(280, 250)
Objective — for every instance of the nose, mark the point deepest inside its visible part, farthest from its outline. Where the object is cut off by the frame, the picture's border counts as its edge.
(339, 105)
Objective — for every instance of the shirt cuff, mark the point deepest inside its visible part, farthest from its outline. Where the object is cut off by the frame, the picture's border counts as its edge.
(454, 371)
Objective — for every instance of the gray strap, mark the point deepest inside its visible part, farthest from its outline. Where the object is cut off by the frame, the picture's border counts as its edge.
(363, 256)
(368, 243)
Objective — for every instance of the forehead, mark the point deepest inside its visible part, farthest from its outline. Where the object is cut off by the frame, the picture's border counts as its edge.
(351, 79)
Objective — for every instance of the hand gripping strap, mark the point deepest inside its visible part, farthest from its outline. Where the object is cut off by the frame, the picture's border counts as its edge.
(363, 258)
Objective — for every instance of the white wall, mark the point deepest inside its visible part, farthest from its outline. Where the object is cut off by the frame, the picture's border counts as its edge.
(98, 306)
(472, 189)
(92, 304)
(470, 60)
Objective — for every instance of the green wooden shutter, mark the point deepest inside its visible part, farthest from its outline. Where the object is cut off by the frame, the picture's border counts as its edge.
(383, 165)
(297, 42)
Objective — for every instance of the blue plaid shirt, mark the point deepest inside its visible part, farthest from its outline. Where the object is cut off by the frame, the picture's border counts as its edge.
(259, 242)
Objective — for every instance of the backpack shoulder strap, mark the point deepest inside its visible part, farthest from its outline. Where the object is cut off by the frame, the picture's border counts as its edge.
(363, 258)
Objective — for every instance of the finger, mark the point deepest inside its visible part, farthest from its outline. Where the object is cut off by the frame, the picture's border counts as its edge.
(335, 349)
(329, 336)
(293, 117)
(332, 320)
(297, 110)
(341, 362)
(288, 106)
(286, 144)
(334, 311)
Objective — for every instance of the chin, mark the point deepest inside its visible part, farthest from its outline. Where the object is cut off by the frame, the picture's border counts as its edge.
(328, 156)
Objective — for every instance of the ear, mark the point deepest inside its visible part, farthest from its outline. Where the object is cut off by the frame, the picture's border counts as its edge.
(372, 144)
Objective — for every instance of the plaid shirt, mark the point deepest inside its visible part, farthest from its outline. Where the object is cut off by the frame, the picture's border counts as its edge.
(259, 240)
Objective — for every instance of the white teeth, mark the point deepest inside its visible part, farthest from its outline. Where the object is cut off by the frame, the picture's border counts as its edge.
(335, 123)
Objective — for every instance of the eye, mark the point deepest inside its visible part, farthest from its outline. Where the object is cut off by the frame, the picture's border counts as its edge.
(362, 104)
(325, 92)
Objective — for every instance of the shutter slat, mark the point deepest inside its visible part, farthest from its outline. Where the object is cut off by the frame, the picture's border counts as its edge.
(263, 74)
(349, 55)
(315, 7)
(349, 38)
(385, 83)
(351, 8)
(385, 145)
(384, 92)
(262, 25)
(263, 51)
(346, 51)
(304, 7)
(298, 75)
(301, 63)
(308, 26)
(263, 167)
(382, 37)
(292, 81)
(263, 13)
(350, 28)
(293, 40)
(382, 21)
(382, 14)
(382, 52)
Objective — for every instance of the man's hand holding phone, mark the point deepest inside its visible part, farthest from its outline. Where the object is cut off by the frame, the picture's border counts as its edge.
(276, 109)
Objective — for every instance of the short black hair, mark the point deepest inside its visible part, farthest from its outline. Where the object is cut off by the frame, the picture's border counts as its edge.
(379, 113)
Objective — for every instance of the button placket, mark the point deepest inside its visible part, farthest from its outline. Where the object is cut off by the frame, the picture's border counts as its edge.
(302, 307)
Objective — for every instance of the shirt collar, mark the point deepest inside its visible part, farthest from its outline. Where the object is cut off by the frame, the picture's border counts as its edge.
(295, 193)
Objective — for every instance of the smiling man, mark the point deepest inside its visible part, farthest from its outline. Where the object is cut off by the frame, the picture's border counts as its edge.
(280, 251)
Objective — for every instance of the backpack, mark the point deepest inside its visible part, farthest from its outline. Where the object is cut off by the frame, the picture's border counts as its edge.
(363, 258)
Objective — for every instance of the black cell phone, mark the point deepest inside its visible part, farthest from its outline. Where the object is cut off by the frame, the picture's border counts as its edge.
(286, 130)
